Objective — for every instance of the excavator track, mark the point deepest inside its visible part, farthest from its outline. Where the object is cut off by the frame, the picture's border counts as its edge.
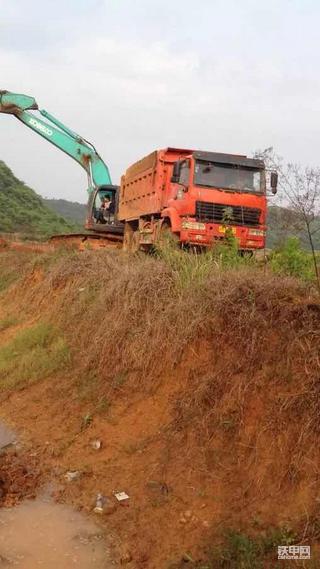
(78, 241)
(83, 241)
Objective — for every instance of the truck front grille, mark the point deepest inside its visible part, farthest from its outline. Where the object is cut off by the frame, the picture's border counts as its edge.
(223, 213)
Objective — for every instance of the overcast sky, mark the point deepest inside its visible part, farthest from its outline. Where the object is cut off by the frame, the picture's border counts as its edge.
(135, 75)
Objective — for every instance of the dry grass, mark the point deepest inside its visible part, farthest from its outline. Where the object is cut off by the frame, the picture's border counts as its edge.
(12, 267)
(127, 314)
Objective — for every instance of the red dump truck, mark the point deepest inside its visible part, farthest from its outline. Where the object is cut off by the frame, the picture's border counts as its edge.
(196, 196)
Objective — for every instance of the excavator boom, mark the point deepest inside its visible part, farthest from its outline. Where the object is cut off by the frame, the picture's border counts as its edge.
(59, 135)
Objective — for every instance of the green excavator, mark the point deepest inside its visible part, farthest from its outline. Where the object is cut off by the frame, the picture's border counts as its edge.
(99, 226)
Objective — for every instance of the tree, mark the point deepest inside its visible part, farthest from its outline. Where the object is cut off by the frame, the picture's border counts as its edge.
(300, 189)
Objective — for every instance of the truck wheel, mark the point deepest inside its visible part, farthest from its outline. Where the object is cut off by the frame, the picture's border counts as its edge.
(135, 242)
(127, 238)
(130, 239)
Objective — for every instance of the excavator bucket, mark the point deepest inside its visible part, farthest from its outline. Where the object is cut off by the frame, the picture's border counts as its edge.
(13, 103)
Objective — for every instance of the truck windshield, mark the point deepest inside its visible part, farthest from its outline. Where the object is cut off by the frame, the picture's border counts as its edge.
(228, 177)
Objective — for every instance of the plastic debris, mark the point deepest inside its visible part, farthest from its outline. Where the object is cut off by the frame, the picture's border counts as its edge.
(121, 496)
(100, 504)
(72, 475)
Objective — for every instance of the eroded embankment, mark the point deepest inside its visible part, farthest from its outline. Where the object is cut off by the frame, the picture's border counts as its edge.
(203, 386)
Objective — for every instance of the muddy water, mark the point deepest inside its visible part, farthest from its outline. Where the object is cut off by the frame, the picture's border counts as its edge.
(43, 534)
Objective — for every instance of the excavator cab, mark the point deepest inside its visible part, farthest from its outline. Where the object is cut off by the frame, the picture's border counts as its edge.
(99, 218)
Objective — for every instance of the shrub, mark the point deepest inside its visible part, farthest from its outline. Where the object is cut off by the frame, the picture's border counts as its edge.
(292, 260)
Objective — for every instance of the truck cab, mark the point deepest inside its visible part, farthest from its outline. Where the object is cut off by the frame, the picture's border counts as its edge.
(213, 192)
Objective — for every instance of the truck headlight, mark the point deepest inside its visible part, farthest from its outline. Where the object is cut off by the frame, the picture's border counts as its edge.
(257, 232)
(193, 225)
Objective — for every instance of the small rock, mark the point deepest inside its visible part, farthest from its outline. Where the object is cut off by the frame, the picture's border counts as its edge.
(96, 444)
(72, 475)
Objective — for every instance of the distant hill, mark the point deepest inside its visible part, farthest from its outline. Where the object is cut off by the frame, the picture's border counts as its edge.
(282, 223)
(25, 212)
(73, 211)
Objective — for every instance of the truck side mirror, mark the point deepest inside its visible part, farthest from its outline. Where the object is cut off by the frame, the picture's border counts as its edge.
(176, 172)
(274, 182)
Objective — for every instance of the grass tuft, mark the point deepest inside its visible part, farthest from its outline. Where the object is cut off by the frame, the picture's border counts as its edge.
(33, 354)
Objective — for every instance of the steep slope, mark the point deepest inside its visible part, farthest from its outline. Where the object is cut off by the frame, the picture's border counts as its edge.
(202, 384)
(23, 211)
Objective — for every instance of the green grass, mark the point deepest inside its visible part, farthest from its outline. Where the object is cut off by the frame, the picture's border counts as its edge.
(241, 551)
(291, 259)
(33, 354)
(193, 266)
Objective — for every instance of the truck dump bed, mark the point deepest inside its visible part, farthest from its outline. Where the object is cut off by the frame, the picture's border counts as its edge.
(144, 186)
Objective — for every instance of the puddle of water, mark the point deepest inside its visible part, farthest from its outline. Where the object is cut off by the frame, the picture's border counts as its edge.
(7, 437)
(43, 534)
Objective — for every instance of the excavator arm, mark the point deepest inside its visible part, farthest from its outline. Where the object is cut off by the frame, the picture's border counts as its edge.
(59, 135)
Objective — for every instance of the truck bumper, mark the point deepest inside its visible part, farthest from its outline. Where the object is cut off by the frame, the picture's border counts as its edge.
(249, 238)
